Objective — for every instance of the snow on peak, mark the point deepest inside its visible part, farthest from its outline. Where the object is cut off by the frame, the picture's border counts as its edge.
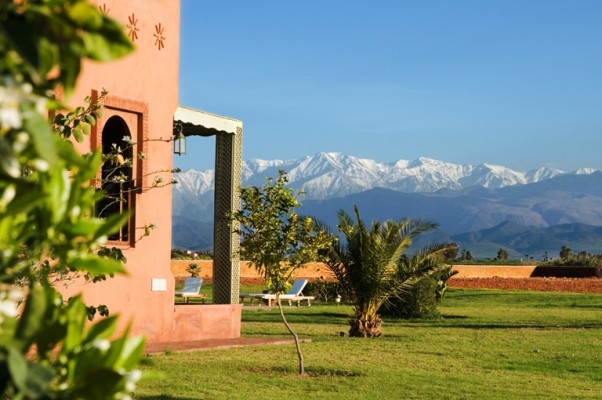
(585, 171)
(333, 174)
(542, 173)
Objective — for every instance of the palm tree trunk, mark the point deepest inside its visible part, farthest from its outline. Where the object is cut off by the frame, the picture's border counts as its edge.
(366, 326)
(297, 344)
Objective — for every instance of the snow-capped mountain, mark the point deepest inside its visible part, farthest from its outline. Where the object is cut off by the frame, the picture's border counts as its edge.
(461, 198)
(327, 175)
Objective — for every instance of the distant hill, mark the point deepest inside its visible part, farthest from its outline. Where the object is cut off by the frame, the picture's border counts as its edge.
(532, 241)
(463, 199)
(473, 208)
(191, 234)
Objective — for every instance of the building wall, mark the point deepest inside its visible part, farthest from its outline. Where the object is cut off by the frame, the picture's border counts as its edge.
(143, 90)
(312, 271)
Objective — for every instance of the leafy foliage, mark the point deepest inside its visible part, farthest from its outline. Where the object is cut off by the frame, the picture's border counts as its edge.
(581, 259)
(47, 224)
(372, 266)
(502, 254)
(423, 299)
(323, 290)
(41, 39)
(275, 240)
(194, 269)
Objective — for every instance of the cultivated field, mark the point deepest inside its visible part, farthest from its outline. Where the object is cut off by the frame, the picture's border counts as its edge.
(574, 285)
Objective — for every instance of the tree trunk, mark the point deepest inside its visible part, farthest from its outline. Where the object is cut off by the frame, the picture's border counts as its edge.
(362, 326)
(297, 344)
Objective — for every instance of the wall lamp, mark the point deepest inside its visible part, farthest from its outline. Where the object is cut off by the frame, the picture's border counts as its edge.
(179, 140)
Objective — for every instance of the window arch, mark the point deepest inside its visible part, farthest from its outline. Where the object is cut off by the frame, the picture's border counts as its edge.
(117, 182)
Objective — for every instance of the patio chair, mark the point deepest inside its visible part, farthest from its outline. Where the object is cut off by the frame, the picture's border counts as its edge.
(294, 294)
(191, 288)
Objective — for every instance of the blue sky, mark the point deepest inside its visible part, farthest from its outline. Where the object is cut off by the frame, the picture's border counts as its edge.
(513, 82)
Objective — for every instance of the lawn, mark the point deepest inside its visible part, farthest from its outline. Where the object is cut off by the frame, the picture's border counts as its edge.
(489, 344)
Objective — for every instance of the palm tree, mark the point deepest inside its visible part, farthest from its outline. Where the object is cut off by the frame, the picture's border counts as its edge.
(367, 265)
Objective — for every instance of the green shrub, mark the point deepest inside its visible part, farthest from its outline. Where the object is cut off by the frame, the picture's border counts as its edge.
(422, 300)
(323, 290)
(441, 279)
(419, 302)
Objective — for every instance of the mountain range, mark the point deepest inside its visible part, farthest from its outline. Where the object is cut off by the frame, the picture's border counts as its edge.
(461, 198)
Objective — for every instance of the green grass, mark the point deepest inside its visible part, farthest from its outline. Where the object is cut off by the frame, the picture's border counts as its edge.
(489, 345)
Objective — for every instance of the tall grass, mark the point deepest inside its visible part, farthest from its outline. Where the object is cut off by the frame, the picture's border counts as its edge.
(489, 345)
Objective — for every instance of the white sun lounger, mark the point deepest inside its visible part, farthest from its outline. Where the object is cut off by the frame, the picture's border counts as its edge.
(191, 288)
(295, 294)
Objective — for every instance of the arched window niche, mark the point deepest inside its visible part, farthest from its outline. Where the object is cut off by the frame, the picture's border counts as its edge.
(117, 176)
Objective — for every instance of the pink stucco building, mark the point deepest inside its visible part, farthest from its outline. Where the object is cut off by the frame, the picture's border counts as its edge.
(143, 104)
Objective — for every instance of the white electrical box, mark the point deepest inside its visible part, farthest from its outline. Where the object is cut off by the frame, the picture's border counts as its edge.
(159, 285)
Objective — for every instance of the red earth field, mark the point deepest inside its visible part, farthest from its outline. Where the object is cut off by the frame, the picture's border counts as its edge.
(575, 285)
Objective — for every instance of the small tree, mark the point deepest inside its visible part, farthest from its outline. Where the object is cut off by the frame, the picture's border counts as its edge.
(275, 240)
(502, 254)
(451, 252)
(367, 265)
(194, 269)
(465, 255)
(565, 253)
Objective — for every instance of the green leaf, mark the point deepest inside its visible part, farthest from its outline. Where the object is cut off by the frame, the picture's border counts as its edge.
(39, 379)
(112, 224)
(43, 140)
(78, 133)
(86, 228)
(26, 200)
(17, 367)
(97, 384)
(59, 118)
(17, 32)
(48, 55)
(76, 319)
(90, 119)
(58, 190)
(96, 265)
(85, 127)
(71, 65)
(132, 352)
(103, 329)
(125, 353)
(90, 167)
(107, 43)
(32, 319)
(85, 16)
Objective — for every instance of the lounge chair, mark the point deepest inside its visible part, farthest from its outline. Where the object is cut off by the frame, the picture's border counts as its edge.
(191, 288)
(294, 294)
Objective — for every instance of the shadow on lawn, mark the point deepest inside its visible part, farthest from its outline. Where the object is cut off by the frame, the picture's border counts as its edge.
(313, 318)
(475, 325)
(311, 372)
(164, 397)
